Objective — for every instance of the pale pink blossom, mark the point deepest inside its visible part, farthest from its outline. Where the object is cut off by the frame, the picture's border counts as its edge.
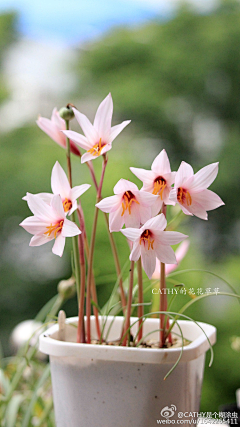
(54, 127)
(158, 180)
(49, 222)
(129, 206)
(190, 191)
(180, 254)
(151, 242)
(99, 136)
(60, 185)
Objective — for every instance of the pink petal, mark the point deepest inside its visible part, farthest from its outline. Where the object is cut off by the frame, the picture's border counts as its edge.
(124, 185)
(39, 208)
(147, 177)
(58, 246)
(156, 207)
(116, 220)
(146, 199)
(57, 206)
(51, 130)
(161, 164)
(103, 118)
(185, 210)
(70, 229)
(110, 204)
(115, 130)
(173, 195)
(88, 129)
(180, 254)
(184, 172)
(170, 178)
(132, 234)
(86, 157)
(46, 197)
(169, 237)
(78, 139)
(40, 240)
(57, 120)
(77, 191)
(204, 177)
(34, 225)
(208, 199)
(159, 222)
(148, 261)
(197, 210)
(136, 251)
(145, 214)
(133, 219)
(74, 207)
(106, 148)
(59, 182)
(165, 254)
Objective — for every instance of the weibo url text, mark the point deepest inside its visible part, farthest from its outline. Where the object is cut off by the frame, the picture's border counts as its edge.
(184, 291)
(196, 421)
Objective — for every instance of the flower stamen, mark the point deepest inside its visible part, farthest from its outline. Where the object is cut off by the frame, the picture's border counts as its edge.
(97, 148)
(159, 186)
(67, 205)
(184, 196)
(146, 236)
(56, 228)
(128, 199)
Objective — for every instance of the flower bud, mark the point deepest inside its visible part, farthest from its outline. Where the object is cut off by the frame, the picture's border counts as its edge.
(66, 112)
(67, 288)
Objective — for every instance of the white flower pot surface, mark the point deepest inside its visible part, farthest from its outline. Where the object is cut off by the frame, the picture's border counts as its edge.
(112, 386)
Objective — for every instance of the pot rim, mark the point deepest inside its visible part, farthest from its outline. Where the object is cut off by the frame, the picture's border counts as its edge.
(49, 344)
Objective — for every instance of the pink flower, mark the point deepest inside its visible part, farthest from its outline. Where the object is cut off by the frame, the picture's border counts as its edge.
(49, 222)
(151, 242)
(54, 128)
(158, 180)
(190, 191)
(180, 254)
(99, 136)
(129, 206)
(60, 185)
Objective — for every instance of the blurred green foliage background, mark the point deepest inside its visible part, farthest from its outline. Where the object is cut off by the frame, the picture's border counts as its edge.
(178, 81)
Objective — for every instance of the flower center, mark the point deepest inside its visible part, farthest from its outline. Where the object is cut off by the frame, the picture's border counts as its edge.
(128, 199)
(159, 186)
(97, 148)
(147, 237)
(184, 196)
(56, 228)
(67, 205)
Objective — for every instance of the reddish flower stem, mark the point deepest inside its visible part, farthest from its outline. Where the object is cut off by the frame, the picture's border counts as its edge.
(80, 329)
(129, 304)
(75, 238)
(162, 305)
(140, 299)
(163, 301)
(93, 286)
(91, 251)
(112, 242)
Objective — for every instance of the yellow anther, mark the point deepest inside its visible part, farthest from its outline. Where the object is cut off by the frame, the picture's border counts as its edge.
(184, 195)
(128, 199)
(67, 205)
(159, 186)
(97, 148)
(147, 237)
(54, 228)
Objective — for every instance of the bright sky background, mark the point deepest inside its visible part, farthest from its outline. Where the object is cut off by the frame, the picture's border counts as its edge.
(73, 21)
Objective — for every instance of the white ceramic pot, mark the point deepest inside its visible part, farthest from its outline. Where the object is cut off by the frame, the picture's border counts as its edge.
(112, 386)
